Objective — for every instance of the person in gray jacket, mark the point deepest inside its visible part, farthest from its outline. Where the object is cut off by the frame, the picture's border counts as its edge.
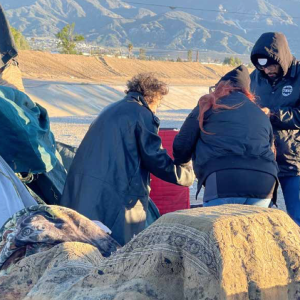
(276, 84)
(110, 175)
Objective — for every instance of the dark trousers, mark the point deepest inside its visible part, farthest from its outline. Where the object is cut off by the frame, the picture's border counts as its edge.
(290, 188)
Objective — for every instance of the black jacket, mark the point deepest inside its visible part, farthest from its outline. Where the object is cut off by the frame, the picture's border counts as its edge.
(282, 98)
(109, 177)
(241, 139)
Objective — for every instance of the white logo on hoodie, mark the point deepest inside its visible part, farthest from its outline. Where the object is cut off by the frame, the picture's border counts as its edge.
(287, 90)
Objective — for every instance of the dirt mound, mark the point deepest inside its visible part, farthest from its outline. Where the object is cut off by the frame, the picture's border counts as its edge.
(79, 68)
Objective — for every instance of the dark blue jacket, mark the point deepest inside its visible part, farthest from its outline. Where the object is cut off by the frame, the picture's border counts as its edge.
(282, 98)
(241, 138)
(109, 177)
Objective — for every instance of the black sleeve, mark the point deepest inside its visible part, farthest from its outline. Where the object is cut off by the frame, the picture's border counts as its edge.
(185, 141)
(272, 141)
(286, 118)
(155, 159)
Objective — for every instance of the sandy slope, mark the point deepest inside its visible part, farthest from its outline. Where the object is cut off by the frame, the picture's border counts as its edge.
(78, 68)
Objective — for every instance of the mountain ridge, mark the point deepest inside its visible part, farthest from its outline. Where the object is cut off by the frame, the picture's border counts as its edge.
(230, 27)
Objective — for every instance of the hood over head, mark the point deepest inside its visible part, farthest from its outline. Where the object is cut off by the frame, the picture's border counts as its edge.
(273, 46)
(239, 77)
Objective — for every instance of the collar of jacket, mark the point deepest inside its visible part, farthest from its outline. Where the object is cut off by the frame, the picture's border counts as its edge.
(294, 69)
(139, 98)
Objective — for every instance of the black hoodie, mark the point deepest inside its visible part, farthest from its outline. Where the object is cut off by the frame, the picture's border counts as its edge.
(281, 97)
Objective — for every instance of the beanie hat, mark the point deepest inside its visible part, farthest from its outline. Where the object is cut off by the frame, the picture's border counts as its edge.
(238, 77)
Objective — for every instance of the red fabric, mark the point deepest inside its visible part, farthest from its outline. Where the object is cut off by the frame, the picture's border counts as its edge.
(168, 197)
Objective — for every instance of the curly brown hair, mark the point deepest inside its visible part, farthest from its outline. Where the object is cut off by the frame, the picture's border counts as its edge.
(148, 85)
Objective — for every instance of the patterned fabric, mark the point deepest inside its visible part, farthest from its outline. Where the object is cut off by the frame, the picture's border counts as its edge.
(225, 252)
(39, 228)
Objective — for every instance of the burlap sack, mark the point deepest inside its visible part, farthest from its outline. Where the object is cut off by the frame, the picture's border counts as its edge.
(225, 252)
(12, 77)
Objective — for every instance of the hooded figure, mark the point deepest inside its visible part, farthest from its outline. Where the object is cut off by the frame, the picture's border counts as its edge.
(229, 139)
(276, 83)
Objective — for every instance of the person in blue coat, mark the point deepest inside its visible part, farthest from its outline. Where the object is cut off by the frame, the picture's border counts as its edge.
(109, 177)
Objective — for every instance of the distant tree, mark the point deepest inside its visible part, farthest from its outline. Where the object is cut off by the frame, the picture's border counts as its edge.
(67, 39)
(20, 41)
(197, 56)
(232, 61)
(190, 55)
(179, 59)
(130, 48)
(237, 61)
(142, 54)
(226, 61)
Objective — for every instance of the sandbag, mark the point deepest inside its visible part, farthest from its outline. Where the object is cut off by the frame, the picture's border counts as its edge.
(11, 76)
(224, 252)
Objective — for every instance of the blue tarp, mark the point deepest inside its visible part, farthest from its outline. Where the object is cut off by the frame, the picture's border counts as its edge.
(26, 142)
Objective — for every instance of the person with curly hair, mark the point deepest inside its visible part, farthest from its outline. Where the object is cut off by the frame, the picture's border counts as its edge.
(110, 174)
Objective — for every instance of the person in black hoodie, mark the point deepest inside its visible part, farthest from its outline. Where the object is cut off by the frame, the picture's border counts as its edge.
(109, 179)
(276, 83)
(229, 139)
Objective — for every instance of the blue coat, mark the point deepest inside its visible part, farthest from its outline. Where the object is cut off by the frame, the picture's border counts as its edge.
(109, 177)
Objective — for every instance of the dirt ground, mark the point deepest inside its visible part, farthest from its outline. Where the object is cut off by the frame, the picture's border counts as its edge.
(79, 68)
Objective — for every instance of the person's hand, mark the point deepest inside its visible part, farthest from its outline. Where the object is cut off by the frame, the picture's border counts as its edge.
(266, 111)
(188, 165)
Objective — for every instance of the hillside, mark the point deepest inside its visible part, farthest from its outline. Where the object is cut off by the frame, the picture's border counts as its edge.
(78, 68)
(230, 26)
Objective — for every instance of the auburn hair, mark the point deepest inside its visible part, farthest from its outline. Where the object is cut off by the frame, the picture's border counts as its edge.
(222, 89)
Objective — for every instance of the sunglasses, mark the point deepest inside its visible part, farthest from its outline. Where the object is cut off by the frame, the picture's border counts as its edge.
(269, 66)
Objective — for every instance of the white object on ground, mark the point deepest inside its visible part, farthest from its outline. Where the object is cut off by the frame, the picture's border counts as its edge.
(102, 226)
(13, 194)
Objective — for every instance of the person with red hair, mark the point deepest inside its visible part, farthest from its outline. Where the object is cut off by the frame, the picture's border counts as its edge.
(230, 139)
